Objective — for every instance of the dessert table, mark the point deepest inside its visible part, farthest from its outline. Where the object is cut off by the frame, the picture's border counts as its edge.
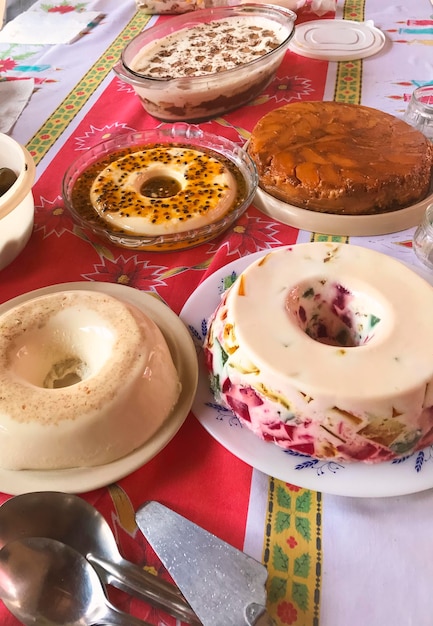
(342, 546)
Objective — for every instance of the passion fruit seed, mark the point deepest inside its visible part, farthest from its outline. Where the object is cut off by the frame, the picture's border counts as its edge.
(160, 187)
(7, 179)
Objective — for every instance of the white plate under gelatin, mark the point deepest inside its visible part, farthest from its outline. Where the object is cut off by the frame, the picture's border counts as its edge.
(81, 479)
(407, 475)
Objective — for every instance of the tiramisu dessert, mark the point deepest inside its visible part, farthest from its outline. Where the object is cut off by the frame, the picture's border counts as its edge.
(209, 66)
(85, 379)
(340, 158)
(325, 349)
(208, 48)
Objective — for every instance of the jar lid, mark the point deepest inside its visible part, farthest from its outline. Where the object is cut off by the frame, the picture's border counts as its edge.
(337, 40)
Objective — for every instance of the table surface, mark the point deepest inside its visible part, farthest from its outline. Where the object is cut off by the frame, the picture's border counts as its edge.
(333, 560)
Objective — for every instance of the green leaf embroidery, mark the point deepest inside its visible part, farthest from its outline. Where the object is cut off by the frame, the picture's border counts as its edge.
(302, 565)
(283, 498)
(282, 521)
(280, 560)
(302, 525)
(303, 502)
(277, 588)
(8, 54)
(300, 595)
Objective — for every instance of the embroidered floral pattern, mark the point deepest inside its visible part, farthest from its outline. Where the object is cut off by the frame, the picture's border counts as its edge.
(293, 585)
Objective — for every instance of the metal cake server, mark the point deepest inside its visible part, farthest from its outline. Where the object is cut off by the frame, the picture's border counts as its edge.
(224, 586)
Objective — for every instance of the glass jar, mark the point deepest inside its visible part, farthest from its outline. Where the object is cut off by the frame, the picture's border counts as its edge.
(419, 112)
(423, 238)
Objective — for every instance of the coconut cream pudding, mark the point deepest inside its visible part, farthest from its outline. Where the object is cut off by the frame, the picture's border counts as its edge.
(85, 379)
(208, 50)
(160, 189)
(325, 349)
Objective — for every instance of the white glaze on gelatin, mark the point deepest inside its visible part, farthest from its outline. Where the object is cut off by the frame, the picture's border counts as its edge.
(126, 385)
(280, 359)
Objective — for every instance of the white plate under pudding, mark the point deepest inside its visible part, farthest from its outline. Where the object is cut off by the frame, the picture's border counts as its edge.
(79, 480)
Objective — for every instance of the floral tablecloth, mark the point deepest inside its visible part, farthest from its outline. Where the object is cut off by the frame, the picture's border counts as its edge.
(332, 560)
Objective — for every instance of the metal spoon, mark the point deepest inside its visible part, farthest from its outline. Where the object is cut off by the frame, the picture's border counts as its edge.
(73, 521)
(43, 581)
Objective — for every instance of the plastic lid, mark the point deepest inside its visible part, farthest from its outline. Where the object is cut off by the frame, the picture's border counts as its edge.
(337, 40)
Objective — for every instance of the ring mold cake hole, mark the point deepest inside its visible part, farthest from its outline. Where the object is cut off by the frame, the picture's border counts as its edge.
(333, 314)
(54, 357)
(62, 356)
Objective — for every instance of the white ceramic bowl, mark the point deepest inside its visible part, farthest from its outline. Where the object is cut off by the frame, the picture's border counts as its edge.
(16, 204)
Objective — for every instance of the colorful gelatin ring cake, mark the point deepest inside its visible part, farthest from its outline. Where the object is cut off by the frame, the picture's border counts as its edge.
(85, 379)
(163, 190)
(326, 349)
